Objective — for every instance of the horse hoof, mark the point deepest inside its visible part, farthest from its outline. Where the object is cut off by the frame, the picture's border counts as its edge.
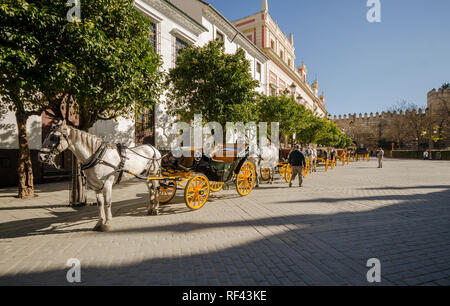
(97, 228)
(105, 228)
(153, 213)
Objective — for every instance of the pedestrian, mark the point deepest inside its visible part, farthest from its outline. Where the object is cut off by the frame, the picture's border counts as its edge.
(314, 160)
(297, 162)
(380, 155)
(425, 155)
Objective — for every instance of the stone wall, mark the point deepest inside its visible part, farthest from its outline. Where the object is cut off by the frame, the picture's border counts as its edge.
(384, 128)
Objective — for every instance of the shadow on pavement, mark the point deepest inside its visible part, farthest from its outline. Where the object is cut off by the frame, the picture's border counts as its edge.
(410, 238)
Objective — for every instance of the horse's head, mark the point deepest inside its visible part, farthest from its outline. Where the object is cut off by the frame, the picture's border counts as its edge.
(55, 143)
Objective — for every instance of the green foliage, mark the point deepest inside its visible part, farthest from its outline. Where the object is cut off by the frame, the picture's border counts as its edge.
(102, 65)
(20, 49)
(209, 82)
(294, 118)
(282, 109)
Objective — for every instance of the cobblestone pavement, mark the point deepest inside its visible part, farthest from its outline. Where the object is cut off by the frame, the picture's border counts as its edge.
(321, 234)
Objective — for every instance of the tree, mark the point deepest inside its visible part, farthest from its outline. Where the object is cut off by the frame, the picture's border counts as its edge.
(282, 109)
(20, 72)
(309, 127)
(100, 67)
(210, 82)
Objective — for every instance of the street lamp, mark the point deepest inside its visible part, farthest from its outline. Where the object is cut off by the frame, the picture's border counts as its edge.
(293, 88)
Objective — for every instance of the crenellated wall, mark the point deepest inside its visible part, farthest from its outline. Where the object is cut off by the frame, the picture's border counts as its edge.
(371, 129)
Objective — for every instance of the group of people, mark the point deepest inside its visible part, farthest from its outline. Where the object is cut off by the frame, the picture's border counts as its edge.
(297, 160)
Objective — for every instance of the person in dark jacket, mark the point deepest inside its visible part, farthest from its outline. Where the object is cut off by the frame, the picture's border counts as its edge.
(297, 162)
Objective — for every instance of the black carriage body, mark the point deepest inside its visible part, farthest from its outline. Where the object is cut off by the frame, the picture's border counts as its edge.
(214, 170)
(219, 171)
(362, 151)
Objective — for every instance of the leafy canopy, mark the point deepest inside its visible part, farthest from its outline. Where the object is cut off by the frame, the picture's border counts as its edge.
(210, 82)
(101, 66)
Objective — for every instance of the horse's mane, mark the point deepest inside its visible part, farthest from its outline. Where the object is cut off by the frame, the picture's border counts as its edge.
(92, 142)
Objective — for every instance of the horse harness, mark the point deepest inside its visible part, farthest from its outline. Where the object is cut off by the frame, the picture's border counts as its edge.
(97, 159)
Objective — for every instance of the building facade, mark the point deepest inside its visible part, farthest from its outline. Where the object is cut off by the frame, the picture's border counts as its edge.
(182, 22)
(283, 75)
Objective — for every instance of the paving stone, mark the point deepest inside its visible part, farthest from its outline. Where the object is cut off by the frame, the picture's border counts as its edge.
(321, 234)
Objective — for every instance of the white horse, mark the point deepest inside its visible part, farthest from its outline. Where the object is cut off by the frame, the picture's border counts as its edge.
(102, 164)
(312, 154)
(267, 158)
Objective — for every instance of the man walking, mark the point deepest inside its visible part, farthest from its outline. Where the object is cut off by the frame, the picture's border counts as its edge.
(380, 155)
(297, 162)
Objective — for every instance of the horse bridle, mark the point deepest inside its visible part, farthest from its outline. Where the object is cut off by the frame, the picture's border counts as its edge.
(51, 153)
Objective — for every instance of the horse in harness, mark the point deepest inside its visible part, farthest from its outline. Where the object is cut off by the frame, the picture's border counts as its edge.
(104, 165)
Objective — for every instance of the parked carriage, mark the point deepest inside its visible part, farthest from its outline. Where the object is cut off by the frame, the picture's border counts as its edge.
(283, 168)
(324, 158)
(343, 156)
(202, 175)
(363, 153)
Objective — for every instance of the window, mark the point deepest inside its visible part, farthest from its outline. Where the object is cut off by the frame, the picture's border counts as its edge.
(179, 45)
(144, 120)
(282, 54)
(220, 36)
(154, 36)
(289, 63)
(258, 67)
(272, 44)
(273, 90)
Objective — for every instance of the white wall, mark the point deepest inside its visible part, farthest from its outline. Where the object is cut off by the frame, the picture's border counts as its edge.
(9, 135)
(121, 130)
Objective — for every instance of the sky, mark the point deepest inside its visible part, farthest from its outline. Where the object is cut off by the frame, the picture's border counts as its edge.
(363, 67)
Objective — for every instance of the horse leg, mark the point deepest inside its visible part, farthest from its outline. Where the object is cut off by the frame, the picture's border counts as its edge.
(258, 171)
(153, 198)
(107, 192)
(101, 211)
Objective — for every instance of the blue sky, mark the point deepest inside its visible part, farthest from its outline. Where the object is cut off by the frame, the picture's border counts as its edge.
(361, 66)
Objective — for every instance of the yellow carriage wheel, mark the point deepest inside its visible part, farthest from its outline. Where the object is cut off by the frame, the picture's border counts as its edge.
(305, 172)
(283, 170)
(196, 192)
(168, 192)
(216, 186)
(288, 174)
(307, 167)
(246, 179)
(265, 174)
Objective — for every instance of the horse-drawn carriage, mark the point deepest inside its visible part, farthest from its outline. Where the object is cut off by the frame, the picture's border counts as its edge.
(324, 158)
(283, 168)
(203, 174)
(343, 156)
(363, 153)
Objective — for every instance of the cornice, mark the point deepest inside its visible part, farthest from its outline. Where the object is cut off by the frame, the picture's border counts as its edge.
(171, 11)
(277, 61)
(233, 34)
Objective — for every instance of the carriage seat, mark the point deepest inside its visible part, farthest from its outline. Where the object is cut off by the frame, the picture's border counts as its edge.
(225, 156)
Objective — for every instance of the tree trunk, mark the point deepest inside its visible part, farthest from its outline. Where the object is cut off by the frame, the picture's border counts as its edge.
(78, 196)
(24, 166)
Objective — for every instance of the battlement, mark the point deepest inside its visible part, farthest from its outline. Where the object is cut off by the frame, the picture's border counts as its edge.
(377, 116)
(443, 93)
